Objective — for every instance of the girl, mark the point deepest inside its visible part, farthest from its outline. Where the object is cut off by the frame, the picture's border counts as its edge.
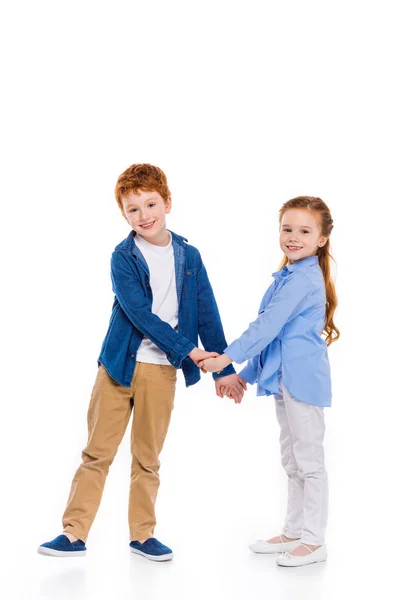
(288, 358)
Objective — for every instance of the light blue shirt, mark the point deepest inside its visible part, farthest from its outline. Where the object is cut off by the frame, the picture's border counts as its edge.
(285, 339)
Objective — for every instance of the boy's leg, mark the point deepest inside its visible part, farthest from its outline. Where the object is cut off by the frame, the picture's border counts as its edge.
(153, 394)
(108, 416)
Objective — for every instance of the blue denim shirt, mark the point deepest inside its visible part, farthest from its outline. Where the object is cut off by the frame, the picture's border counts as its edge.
(285, 340)
(132, 319)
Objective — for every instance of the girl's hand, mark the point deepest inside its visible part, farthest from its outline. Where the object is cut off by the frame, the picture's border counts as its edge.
(215, 365)
(232, 386)
(210, 365)
(198, 355)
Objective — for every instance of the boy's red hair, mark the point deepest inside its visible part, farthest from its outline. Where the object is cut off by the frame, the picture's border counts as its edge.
(141, 177)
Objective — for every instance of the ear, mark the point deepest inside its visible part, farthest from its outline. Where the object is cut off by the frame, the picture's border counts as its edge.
(168, 205)
(322, 241)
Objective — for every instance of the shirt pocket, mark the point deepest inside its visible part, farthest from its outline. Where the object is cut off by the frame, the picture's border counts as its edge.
(190, 283)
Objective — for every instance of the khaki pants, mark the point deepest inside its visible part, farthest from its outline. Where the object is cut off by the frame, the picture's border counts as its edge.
(152, 397)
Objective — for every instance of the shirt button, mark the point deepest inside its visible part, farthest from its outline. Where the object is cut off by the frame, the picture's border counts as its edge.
(132, 356)
(188, 273)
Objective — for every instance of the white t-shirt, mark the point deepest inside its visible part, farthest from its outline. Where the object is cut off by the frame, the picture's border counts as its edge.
(161, 263)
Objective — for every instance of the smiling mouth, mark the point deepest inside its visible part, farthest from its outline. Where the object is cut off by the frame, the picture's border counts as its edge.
(147, 225)
(293, 248)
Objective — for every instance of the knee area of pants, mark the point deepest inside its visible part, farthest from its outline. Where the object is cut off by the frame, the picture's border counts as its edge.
(104, 461)
(312, 473)
(291, 472)
(147, 465)
(289, 466)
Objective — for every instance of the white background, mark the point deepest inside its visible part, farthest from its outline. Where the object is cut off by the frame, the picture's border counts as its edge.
(243, 105)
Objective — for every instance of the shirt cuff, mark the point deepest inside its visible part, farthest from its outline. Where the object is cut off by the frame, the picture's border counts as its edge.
(180, 352)
(235, 352)
(249, 374)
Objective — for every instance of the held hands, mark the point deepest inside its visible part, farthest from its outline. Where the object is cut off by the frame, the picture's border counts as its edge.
(212, 365)
(232, 386)
(198, 355)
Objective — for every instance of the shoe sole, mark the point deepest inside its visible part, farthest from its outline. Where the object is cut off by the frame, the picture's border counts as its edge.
(271, 551)
(314, 562)
(60, 553)
(161, 558)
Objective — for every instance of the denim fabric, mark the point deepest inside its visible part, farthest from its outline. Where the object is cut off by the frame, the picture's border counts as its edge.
(132, 319)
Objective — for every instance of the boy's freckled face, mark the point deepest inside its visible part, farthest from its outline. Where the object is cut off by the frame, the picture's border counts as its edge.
(146, 214)
(300, 234)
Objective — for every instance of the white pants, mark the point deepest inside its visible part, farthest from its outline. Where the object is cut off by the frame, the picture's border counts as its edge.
(302, 452)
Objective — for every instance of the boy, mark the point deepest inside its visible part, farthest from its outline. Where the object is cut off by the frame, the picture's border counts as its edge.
(163, 302)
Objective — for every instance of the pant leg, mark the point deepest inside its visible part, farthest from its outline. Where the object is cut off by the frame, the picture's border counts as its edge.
(153, 397)
(294, 515)
(108, 417)
(307, 427)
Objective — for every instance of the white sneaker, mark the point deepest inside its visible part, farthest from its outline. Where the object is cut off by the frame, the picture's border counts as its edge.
(264, 547)
(314, 556)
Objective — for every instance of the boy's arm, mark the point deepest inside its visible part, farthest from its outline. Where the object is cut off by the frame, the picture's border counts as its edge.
(210, 328)
(137, 307)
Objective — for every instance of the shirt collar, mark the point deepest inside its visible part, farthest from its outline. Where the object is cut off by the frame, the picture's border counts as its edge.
(175, 237)
(301, 265)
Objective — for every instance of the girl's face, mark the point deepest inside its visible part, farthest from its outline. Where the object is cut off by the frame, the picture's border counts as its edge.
(300, 234)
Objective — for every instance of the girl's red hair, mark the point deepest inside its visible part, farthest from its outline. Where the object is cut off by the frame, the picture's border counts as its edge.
(318, 206)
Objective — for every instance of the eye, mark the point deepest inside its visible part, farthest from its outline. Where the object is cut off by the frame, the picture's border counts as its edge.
(286, 229)
(305, 231)
(152, 204)
(133, 210)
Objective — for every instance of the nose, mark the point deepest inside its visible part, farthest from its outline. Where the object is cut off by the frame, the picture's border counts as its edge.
(293, 237)
(144, 216)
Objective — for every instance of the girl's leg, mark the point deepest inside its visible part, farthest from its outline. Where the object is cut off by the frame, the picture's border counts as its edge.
(290, 538)
(294, 517)
(307, 428)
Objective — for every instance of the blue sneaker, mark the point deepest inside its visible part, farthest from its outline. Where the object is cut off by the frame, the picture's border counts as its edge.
(152, 549)
(61, 546)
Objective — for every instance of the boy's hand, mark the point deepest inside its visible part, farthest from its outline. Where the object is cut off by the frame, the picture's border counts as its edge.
(232, 386)
(197, 355)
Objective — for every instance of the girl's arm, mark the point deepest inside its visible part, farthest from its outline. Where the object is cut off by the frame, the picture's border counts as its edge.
(250, 372)
(215, 365)
(286, 304)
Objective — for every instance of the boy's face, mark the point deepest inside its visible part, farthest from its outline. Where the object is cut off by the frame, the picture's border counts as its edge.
(145, 213)
(300, 234)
